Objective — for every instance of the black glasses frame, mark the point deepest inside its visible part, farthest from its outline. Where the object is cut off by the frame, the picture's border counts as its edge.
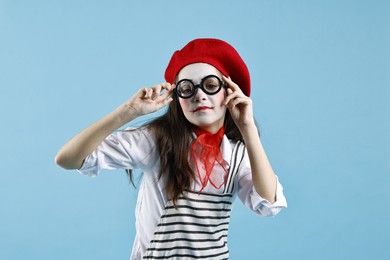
(200, 85)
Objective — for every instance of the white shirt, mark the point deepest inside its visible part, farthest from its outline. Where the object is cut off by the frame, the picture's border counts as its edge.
(135, 149)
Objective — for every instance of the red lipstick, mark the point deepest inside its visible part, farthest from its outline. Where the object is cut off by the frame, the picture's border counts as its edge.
(201, 108)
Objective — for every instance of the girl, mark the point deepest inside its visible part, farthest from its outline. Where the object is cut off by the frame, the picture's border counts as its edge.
(196, 158)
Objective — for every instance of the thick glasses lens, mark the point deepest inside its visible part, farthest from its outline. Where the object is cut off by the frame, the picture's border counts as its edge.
(211, 85)
(185, 89)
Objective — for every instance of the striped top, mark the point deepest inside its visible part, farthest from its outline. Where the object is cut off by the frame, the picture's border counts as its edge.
(198, 227)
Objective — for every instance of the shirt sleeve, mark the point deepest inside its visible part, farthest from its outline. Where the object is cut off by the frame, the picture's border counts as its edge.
(127, 149)
(251, 199)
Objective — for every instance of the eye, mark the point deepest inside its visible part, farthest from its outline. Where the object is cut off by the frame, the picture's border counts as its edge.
(211, 84)
(185, 88)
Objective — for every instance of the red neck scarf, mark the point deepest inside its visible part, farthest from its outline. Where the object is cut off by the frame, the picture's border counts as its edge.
(206, 152)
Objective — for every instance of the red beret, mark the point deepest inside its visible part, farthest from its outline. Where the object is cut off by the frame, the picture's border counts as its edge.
(215, 52)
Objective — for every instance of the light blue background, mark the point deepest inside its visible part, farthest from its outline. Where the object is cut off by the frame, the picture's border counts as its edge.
(320, 77)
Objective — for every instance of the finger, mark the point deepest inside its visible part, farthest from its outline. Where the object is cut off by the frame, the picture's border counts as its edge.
(167, 101)
(168, 90)
(163, 100)
(228, 96)
(156, 90)
(164, 96)
(237, 98)
(232, 85)
(238, 101)
(168, 86)
(146, 93)
(232, 95)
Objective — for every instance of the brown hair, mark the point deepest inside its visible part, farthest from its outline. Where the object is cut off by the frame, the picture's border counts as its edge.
(173, 136)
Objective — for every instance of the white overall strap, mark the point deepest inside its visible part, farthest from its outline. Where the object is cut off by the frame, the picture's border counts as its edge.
(235, 161)
(196, 229)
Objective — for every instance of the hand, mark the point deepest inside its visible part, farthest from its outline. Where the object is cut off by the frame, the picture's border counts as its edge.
(149, 100)
(239, 105)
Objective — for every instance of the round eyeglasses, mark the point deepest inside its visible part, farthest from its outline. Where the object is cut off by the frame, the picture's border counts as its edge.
(210, 85)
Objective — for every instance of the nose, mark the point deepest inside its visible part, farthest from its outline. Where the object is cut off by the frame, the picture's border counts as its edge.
(199, 95)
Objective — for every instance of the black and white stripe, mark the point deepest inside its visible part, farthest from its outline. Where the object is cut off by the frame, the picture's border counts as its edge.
(197, 229)
(235, 161)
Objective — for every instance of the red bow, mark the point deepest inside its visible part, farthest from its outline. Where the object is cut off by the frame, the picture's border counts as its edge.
(205, 152)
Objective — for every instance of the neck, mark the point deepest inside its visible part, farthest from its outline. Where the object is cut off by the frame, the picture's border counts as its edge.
(217, 135)
(210, 129)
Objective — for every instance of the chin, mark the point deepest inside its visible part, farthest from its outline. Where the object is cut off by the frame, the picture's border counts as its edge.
(211, 127)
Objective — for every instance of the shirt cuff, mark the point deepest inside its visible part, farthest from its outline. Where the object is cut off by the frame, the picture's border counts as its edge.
(90, 166)
(264, 206)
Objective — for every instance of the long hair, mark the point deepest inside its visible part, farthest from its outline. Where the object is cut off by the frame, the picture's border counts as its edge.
(173, 135)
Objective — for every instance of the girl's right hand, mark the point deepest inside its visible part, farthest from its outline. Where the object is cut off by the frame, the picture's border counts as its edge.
(149, 100)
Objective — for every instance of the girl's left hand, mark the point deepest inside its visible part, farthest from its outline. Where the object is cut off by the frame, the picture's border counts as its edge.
(239, 105)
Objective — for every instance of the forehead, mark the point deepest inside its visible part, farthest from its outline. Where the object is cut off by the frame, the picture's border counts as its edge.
(197, 71)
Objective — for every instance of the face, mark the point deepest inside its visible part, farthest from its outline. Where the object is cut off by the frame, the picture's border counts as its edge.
(203, 110)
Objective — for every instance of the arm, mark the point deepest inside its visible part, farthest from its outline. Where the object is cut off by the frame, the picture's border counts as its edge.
(145, 101)
(263, 176)
(240, 107)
